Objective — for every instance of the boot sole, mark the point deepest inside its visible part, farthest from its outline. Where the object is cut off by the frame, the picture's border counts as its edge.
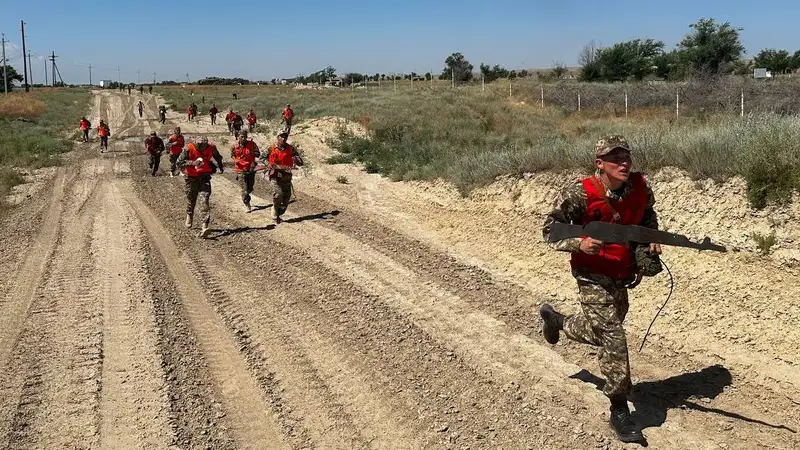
(628, 439)
(551, 335)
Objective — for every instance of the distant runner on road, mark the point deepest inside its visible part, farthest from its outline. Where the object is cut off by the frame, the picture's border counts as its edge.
(155, 148)
(104, 132)
(245, 153)
(85, 126)
(176, 143)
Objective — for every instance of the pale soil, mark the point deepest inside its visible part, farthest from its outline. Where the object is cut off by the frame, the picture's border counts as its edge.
(379, 315)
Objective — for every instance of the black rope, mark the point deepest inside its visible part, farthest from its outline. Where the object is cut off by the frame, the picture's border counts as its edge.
(671, 285)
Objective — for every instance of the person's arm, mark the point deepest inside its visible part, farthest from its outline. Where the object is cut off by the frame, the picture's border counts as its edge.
(570, 208)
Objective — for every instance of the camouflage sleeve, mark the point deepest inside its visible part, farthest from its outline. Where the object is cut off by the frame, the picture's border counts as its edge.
(298, 158)
(183, 159)
(569, 208)
(650, 219)
(217, 157)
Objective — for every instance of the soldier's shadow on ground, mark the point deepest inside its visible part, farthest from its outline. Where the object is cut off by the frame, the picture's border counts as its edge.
(217, 233)
(653, 399)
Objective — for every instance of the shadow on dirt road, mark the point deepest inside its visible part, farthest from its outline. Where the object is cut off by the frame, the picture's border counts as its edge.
(653, 399)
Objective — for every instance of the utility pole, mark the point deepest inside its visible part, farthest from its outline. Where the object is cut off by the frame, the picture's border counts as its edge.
(187, 77)
(45, 72)
(53, 73)
(30, 66)
(5, 74)
(154, 78)
(119, 78)
(24, 61)
(90, 75)
(138, 77)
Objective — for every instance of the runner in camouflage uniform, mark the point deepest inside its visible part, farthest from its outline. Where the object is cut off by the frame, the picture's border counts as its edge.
(196, 160)
(603, 271)
(282, 157)
(245, 154)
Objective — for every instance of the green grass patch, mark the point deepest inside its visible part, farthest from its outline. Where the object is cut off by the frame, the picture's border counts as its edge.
(35, 129)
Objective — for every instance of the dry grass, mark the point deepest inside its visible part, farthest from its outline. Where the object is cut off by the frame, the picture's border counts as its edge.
(470, 136)
(19, 105)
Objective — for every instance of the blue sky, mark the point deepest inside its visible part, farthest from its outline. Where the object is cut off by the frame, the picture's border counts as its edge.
(264, 40)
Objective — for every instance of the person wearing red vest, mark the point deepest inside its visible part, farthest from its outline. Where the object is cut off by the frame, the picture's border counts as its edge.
(175, 145)
(155, 147)
(229, 118)
(213, 112)
(286, 118)
(604, 271)
(104, 132)
(251, 120)
(198, 160)
(245, 154)
(85, 126)
(281, 158)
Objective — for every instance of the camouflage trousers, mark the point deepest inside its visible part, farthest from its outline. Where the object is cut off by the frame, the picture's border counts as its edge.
(199, 188)
(173, 162)
(155, 160)
(287, 125)
(246, 182)
(600, 324)
(281, 194)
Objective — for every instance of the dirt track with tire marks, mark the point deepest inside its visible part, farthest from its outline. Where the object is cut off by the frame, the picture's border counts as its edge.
(122, 329)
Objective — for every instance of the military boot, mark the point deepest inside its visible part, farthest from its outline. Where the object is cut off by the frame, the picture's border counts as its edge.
(205, 231)
(552, 323)
(188, 221)
(621, 422)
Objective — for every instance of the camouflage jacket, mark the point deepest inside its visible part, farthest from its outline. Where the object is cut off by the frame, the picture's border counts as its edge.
(571, 206)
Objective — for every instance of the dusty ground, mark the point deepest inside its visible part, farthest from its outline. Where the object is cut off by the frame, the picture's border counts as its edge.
(380, 315)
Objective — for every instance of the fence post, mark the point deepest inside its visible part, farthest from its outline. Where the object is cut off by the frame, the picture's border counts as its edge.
(483, 83)
(509, 88)
(742, 112)
(579, 102)
(677, 104)
(542, 87)
(626, 104)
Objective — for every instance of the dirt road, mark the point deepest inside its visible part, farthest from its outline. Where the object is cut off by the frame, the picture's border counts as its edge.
(349, 326)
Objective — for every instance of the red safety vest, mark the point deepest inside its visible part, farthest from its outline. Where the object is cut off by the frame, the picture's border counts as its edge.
(614, 260)
(244, 156)
(176, 144)
(194, 153)
(282, 157)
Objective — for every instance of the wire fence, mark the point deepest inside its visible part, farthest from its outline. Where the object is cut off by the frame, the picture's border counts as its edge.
(733, 95)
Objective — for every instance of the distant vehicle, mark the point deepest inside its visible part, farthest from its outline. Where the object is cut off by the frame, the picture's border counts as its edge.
(105, 83)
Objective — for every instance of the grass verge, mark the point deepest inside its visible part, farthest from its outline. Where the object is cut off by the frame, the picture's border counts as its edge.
(469, 136)
(33, 129)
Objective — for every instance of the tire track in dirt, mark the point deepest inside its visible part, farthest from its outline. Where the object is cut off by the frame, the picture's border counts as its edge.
(197, 416)
(417, 373)
(308, 378)
(251, 419)
(20, 296)
(133, 402)
(480, 292)
(59, 356)
(17, 303)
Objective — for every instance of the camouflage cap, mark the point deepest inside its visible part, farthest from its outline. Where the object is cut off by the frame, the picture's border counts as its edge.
(607, 144)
